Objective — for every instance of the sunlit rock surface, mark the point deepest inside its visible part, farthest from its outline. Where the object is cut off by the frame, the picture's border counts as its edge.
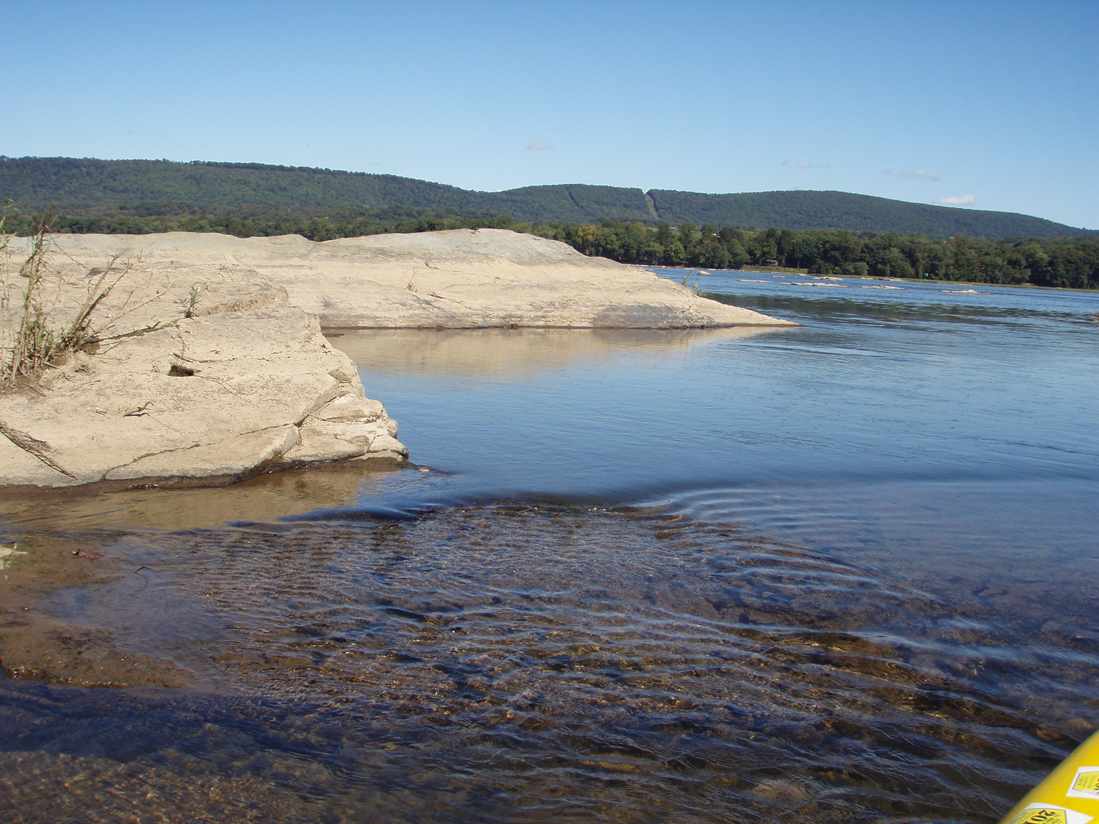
(453, 279)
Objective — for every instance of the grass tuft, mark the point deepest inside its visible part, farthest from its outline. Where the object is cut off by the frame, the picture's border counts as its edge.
(42, 341)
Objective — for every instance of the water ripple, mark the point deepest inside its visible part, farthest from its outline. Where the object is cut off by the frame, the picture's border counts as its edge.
(570, 662)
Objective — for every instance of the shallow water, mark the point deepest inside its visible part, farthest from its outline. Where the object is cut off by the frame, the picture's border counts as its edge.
(839, 572)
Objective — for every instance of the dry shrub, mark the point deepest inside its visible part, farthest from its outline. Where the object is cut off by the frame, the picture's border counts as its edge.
(43, 341)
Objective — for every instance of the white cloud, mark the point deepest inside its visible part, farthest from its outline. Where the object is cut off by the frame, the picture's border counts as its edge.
(914, 174)
(538, 146)
(804, 164)
(959, 200)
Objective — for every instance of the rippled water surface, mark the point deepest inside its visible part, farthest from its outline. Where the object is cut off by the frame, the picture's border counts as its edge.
(843, 572)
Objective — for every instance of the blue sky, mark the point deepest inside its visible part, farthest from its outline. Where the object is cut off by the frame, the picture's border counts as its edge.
(991, 104)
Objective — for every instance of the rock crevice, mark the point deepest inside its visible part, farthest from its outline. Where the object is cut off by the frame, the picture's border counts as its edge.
(32, 446)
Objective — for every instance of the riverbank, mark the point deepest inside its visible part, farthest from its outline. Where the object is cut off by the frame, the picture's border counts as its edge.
(210, 362)
(783, 270)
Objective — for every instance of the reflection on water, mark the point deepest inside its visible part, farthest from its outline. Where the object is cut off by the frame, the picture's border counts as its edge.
(515, 352)
(897, 387)
(263, 498)
(840, 572)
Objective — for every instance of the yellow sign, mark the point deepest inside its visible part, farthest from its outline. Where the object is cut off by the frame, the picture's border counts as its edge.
(1042, 815)
(1087, 781)
(1069, 795)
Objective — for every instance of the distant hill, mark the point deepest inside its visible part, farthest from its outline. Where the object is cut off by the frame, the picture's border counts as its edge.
(843, 210)
(160, 187)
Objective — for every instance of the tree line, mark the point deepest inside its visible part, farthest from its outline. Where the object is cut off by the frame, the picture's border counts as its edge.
(1062, 262)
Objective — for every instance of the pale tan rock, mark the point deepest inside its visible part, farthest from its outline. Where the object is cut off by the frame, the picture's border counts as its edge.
(385, 446)
(23, 468)
(232, 456)
(317, 445)
(461, 278)
(218, 395)
(348, 407)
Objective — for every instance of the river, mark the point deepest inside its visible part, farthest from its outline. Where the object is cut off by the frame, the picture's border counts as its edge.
(838, 572)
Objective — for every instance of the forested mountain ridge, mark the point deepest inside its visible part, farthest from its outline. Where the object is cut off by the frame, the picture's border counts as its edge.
(802, 209)
(161, 187)
(89, 187)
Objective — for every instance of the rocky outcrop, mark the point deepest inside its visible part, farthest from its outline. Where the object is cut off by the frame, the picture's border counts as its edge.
(211, 361)
(248, 383)
(462, 278)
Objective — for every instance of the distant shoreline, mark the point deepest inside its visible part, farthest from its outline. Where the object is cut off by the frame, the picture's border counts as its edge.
(784, 271)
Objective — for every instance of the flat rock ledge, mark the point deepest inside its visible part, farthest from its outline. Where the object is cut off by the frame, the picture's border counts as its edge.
(223, 395)
(211, 361)
(457, 279)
